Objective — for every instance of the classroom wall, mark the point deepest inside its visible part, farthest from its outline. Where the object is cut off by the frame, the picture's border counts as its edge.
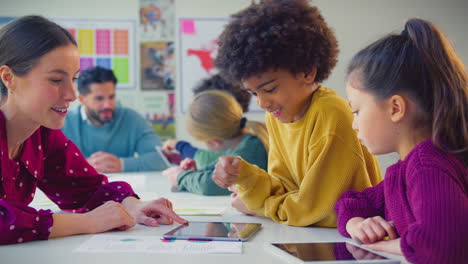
(356, 24)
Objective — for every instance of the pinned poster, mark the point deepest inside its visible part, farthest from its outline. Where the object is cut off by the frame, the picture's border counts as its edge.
(158, 108)
(157, 20)
(157, 66)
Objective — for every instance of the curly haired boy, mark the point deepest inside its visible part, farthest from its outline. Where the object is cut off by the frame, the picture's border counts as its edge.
(281, 51)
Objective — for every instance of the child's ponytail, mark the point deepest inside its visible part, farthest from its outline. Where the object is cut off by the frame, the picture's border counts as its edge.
(446, 79)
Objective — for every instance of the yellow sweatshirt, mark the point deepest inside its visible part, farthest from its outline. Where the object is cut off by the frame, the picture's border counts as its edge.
(310, 164)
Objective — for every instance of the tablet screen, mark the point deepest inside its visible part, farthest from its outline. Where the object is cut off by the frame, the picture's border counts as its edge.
(214, 231)
(163, 157)
(327, 251)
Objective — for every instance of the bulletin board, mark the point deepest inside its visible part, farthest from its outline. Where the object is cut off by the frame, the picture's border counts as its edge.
(106, 43)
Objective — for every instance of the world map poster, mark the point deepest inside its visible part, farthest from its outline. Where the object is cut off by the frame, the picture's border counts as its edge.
(198, 47)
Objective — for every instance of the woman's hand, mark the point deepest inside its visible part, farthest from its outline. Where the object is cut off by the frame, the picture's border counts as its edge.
(152, 213)
(370, 230)
(108, 216)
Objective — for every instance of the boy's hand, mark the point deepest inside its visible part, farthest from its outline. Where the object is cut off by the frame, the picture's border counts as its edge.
(370, 230)
(240, 206)
(226, 171)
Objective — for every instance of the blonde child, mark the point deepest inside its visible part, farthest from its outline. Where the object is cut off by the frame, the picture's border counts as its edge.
(281, 51)
(203, 157)
(215, 118)
(409, 95)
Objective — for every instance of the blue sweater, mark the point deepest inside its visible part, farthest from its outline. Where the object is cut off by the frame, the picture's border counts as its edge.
(128, 133)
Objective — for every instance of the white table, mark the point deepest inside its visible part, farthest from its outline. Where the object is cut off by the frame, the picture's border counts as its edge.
(61, 250)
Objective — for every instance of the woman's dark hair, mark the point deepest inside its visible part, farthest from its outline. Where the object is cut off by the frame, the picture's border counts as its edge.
(24, 40)
(277, 34)
(92, 75)
(421, 64)
(216, 82)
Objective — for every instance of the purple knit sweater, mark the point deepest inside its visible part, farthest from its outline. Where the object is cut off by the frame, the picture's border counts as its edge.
(426, 197)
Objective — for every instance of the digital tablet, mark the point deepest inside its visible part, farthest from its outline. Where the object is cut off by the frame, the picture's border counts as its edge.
(213, 231)
(334, 252)
(163, 157)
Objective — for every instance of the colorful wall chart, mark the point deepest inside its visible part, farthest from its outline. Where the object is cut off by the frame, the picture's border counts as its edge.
(106, 43)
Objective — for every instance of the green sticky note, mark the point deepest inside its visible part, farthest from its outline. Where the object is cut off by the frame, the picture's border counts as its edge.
(121, 69)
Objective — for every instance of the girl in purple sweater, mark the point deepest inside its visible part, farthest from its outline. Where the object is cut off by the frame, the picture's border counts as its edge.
(409, 94)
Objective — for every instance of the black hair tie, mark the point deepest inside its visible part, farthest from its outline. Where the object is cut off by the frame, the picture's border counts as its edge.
(242, 122)
(404, 32)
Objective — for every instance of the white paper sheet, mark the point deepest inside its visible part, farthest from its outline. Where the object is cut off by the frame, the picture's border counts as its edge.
(153, 244)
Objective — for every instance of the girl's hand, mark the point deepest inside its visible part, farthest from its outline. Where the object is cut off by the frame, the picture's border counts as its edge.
(152, 213)
(109, 216)
(171, 174)
(370, 230)
(226, 171)
(169, 145)
(390, 246)
(188, 164)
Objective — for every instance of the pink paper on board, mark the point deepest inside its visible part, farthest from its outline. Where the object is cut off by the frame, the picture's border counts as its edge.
(103, 41)
(188, 26)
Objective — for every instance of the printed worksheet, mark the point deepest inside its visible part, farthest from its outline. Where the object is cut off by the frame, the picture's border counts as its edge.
(154, 244)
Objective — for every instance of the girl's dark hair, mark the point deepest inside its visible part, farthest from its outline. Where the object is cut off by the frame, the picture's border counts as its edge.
(277, 34)
(421, 63)
(24, 40)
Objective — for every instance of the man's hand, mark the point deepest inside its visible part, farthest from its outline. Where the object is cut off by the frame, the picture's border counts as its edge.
(105, 162)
